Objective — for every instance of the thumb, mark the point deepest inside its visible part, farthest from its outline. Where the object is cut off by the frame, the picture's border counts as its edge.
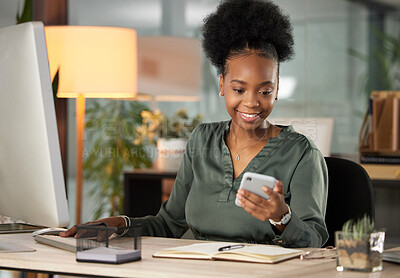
(278, 187)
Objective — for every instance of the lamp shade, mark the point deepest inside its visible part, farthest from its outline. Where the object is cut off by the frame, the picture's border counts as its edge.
(169, 68)
(93, 62)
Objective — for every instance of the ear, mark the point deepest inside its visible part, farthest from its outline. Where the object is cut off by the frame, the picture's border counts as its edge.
(221, 83)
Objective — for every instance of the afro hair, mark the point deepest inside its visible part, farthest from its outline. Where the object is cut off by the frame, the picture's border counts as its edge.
(238, 25)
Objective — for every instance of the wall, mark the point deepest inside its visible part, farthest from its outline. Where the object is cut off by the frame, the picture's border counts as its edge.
(8, 11)
(326, 75)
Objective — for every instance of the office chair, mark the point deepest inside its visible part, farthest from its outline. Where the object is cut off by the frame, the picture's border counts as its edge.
(349, 195)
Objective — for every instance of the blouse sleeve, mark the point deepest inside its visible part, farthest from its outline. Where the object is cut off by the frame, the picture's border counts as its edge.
(308, 191)
(170, 220)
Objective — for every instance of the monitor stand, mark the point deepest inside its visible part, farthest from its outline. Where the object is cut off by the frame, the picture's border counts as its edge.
(18, 228)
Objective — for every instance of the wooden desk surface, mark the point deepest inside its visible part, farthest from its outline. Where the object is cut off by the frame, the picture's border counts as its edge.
(53, 260)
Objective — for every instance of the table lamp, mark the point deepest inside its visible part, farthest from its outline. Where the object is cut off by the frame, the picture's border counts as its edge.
(93, 62)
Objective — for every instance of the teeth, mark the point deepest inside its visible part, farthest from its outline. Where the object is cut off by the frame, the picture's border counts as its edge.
(249, 115)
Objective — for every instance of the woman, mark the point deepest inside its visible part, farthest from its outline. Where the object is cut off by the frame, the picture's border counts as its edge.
(246, 40)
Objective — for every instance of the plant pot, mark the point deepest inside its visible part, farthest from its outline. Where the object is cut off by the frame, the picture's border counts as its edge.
(170, 154)
(361, 253)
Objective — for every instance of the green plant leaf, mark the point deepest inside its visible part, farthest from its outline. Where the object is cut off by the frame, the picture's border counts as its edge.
(54, 85)
(27, 12)
(357, 228)
(358, 54)
(157, 125)
(111, 126)
(387, 58)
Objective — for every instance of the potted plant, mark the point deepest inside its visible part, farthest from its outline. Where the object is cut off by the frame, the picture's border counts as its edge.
(110, 149)
(386, 59)
(359, 246)
(170, 135)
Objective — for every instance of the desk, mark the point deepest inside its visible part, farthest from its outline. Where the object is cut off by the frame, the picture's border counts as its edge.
(386, 172)
(57, 261)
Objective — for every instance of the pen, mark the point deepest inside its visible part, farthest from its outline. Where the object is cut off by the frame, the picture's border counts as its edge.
(230, 247)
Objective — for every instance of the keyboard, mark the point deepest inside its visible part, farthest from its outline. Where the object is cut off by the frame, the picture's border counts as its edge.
(65, 243)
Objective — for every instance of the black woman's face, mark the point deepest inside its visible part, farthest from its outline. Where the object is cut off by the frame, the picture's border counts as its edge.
(250, 87)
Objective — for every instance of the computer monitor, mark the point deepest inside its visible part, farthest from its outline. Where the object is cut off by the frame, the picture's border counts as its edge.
(32, 185)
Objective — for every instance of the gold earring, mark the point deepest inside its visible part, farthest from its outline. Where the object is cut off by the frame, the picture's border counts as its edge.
(221, 95)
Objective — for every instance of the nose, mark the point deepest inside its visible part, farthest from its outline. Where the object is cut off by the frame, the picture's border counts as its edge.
(250, 99)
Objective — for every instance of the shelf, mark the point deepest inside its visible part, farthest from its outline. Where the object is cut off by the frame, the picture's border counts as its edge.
(383, 171)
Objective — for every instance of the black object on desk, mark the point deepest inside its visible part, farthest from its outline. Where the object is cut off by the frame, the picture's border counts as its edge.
(143, 191)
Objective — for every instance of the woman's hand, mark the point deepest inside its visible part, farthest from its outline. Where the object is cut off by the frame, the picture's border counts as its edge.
(114, 221)
(273, 208)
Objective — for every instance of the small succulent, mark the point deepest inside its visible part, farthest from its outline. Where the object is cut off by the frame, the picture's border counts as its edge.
(357, 228)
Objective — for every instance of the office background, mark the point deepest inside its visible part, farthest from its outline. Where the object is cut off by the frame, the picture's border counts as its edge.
(323, 80)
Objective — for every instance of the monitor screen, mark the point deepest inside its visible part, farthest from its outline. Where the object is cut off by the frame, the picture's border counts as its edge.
(32, 185)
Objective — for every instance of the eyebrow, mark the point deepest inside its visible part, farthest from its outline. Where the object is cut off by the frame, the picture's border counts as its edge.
(244, 82)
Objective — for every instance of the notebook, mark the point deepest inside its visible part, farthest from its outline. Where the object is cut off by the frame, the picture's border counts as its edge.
(247, 253)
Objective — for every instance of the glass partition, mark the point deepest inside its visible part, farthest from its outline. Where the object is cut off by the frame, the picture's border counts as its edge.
(323, 80)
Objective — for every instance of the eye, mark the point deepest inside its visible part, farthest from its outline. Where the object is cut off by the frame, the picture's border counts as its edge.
(238, 90)
(265, 93)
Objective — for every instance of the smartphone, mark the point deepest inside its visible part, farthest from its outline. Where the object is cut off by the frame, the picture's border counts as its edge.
(254, 182)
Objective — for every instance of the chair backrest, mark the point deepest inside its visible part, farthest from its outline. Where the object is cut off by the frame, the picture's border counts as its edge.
(317, 129)
(349, 196)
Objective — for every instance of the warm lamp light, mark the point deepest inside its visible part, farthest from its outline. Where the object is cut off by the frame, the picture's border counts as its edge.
(96, 62)
(93, 62)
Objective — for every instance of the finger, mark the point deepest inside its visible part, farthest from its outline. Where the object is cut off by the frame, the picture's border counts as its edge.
(254, 209)
(69, 232)
(253, 203)
(248, 205)
(254, 198)
(242, 191)
(102, 236)
(278, 187)
(271, 193)
(72, 231)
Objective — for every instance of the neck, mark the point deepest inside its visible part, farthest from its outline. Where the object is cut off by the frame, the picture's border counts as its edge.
(237, 134)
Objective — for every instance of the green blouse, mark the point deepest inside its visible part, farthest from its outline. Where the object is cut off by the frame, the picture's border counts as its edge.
(203, 196)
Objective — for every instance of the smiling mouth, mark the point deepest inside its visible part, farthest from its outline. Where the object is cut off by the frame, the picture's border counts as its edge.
(250, 115)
